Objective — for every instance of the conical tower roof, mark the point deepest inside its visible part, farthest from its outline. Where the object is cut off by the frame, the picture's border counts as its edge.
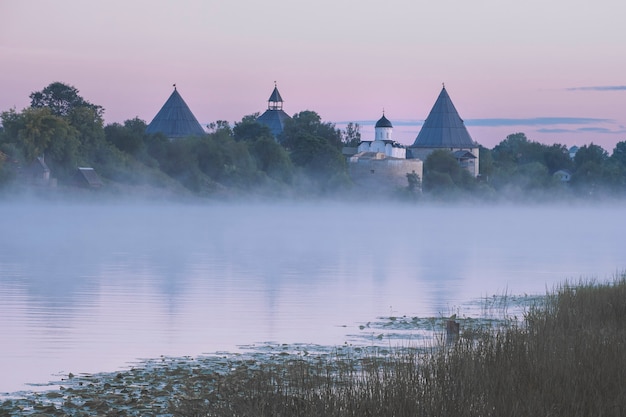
(175, 119)
(275, 97)
(444, 128)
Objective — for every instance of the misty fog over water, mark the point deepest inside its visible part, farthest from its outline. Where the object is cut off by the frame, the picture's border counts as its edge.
(93, 287)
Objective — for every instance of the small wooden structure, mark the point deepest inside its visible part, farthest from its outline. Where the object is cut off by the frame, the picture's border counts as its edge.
(37, 173)
(87, 176)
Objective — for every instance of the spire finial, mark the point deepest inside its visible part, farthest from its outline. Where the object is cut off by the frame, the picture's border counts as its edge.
(443, 85)
(174, 85)
(275, 86)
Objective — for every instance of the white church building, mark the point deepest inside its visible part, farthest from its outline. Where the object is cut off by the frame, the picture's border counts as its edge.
(385, 162)
(382, 163)
(383, 143)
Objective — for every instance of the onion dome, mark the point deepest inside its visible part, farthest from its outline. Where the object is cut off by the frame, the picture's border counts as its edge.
(383, 122)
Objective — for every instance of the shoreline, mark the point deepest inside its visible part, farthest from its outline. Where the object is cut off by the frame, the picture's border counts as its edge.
(564, 357)
(383, 336)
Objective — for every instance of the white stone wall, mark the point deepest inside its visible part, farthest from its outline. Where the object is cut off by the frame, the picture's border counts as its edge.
(386, 148)
(383, 174)
(382, 133)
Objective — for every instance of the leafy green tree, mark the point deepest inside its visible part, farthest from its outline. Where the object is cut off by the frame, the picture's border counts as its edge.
(523, 165)
(442, 173)
(556, 157)
(511, 149)
(533, 176)
(517, 149)
(64, 101)
(90, 127)
(619, 153)
(486, 162)
(129, 137)
(309, 122)
(37, 132)
(220, 126)
(590, 153)
(352, 135)
(61, 99)
(414, 181)
(272, 159)
(590, 173)
(250, 130)
(226, 161)
(315, 148)
(157, 145)
(7, 152)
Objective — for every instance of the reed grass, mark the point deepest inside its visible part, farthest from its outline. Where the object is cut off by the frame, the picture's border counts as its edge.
(567, 358)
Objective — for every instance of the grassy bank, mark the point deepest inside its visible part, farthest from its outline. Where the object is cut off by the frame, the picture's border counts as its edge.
(567, 358)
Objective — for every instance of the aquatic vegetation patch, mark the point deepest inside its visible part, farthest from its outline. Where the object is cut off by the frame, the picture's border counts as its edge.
(565, 358)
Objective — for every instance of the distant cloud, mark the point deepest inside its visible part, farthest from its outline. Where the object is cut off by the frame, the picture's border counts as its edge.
(547, 130)
(499, 122)
(599, 130)
(595, 130)
(599, 88)
(535, 121)
(552, 125)
(393, 122)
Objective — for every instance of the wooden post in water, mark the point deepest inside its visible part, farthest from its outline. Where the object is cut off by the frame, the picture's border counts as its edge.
(452, 331)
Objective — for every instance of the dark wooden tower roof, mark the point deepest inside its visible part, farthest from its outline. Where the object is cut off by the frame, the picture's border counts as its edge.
(275, 101)
(274, 117)
(175, 119)
(444, 128)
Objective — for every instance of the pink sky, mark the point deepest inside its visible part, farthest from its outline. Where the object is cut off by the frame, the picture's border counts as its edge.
(553, 70)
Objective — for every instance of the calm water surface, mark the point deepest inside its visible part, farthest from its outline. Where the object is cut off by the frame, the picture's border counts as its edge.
(94, 287)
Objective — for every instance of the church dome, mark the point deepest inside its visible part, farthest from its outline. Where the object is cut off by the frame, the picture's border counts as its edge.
(383, 122)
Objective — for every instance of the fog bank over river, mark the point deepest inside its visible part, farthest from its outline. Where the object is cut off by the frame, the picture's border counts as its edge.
(92, 287)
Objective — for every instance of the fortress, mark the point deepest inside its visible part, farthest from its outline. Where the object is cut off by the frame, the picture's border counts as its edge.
(378, 162)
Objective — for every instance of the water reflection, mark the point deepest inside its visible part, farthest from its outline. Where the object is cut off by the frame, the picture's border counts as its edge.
(86, 288)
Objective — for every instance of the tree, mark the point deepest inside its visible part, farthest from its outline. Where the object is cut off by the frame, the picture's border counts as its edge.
(352, 135)
(511, 149)
(128, 137)
(486, 162)
(37, 132)
(220, 126)
(309, 122)
(250, 130)
(557, 157)
(442, 172)
(7, 156)
(61, 99)
(315, 148)
(414, 181)
(590, 153)
(90, 127)
(619, 153)
(590, 168)
(272, 159)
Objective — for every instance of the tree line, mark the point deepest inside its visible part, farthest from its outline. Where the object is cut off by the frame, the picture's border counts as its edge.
(70, 132)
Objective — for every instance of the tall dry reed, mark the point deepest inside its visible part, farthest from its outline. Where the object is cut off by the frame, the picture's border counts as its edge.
(568, 358)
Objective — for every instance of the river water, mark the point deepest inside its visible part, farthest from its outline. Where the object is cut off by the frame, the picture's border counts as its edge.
(94, 287)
